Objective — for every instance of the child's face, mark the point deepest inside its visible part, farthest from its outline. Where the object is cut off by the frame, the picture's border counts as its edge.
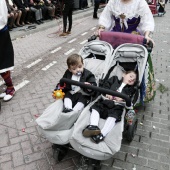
(129, 78)
(77, 69)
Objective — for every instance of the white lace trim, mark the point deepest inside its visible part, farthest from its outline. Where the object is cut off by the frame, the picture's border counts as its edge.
(6, 69)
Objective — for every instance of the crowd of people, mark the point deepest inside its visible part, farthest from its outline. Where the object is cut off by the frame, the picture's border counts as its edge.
(22, 12)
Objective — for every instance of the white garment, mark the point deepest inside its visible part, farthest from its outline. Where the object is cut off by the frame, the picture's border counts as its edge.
(78, 107)
(135, 8)
(108, 126)
(121, 87)
(3, 14)
(68, 103)
(10, 2)
(74, 88)
(94, 117)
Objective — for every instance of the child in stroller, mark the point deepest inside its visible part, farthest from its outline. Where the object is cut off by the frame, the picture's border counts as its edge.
(74, 99)
(110, 107)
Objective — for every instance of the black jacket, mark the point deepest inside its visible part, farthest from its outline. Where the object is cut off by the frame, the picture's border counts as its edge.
(20, 4)
(114, 83)
(86, 76)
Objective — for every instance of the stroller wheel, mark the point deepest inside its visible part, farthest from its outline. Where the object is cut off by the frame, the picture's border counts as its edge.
(131, 130)
(59, 152)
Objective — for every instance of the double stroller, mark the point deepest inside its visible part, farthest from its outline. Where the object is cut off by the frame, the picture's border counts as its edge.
(65, 129)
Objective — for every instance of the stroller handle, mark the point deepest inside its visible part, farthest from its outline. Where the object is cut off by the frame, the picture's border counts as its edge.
(114, 37)
(99, 89)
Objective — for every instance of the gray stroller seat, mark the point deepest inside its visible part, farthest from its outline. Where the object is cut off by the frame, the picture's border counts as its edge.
(57, 126)
(112, 142)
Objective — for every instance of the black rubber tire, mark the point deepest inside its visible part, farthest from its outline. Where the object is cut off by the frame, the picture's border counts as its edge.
(131, 130)
(59, 153)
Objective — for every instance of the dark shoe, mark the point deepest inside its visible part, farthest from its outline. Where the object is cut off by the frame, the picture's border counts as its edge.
(14, 26)
(95, 17)
(41, 21)
(66, 110)
(91, 130)
(97, 138)
(18, 25)
(27, 22)
(38, 22)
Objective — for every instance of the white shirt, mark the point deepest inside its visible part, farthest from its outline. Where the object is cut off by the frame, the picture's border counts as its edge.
(74, 88)
(135, 8)
(3, 14)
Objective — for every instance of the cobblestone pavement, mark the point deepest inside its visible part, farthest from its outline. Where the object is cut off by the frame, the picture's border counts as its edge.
(39, 64)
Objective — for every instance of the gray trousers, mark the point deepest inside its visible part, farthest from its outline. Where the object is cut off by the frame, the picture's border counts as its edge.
(38, 13)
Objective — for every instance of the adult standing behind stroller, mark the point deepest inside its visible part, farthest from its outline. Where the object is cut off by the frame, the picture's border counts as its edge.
(129, 16)
(67, 14)
(6, 53)
(111, 107)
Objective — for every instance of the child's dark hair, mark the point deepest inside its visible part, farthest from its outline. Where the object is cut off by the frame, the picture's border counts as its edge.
(74, 59)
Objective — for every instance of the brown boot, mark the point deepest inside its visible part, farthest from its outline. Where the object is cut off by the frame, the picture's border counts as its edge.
(68, 32)
(63, 34)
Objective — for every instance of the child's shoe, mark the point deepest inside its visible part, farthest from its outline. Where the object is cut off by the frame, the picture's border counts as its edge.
(66, 110)
(97, 138)
(91, 130)
(63, 34)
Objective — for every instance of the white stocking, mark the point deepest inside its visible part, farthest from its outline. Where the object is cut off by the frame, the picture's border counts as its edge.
(109, 124)
(67, 103)
(79, 106)
(94, 117)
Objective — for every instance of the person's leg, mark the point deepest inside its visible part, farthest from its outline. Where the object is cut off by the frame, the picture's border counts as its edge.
(18, 18)
(68, 103)
(15, 17)
(64, 24)
(108, 126)
(22, 20)
(10, 91)
(96, 7)
(92, 129)
(70, 20)
(10, 21)
(79, 106)
(28, 16)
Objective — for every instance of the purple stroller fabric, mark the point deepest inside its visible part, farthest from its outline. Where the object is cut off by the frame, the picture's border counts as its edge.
(118, 38)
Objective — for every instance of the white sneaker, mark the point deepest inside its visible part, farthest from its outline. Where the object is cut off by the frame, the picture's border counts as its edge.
(2, 95)
(9, 96)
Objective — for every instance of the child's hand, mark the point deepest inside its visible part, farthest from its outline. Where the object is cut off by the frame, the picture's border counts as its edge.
(87, 83)
(118, 99)
(110, 97)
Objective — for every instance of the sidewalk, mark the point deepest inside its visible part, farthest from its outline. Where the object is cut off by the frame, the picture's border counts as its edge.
(77, 14)
(40, 61)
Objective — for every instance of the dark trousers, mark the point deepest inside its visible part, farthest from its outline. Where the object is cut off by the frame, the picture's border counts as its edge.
(67, 14)
(96, 7)
(26, 15)
(107, 108)
(77, 97)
